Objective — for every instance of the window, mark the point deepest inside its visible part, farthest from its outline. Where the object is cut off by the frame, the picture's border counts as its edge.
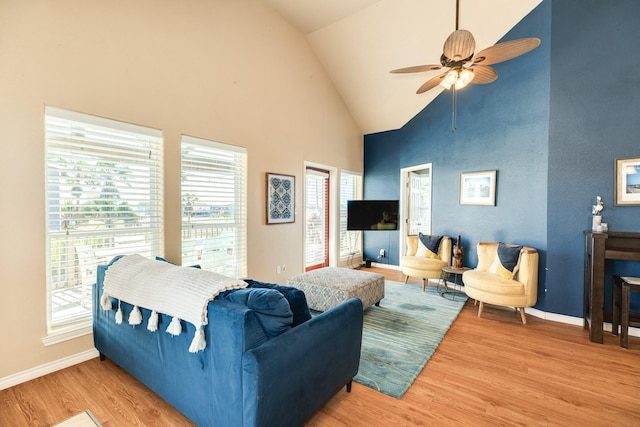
(103, 198)
(350, 189)
(316, 196)
(214, 206)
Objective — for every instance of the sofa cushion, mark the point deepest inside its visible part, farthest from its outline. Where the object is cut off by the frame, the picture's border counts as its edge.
(492, 283)
(507, 261)
(271, 308)
(423, 263)
(296, 298)
(428, 245)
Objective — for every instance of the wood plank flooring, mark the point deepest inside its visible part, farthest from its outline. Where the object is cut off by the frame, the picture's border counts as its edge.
(486, 372)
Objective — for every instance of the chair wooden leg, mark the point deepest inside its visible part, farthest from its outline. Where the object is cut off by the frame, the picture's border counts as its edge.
(480, 309)
(624, 321)
(615, 321)
(424, 284)
(523, 315)
(406, 279)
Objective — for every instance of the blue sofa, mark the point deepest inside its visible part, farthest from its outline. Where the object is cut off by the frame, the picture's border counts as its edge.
(243, 377)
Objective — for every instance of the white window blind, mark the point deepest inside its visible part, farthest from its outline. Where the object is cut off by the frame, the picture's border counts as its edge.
(104, 198)
(350, 189)
(316, 194)
(214, 206)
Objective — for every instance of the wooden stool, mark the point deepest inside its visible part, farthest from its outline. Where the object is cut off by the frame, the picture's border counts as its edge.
(622, 288)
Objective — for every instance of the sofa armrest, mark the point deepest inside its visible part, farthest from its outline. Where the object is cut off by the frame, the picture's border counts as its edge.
(289, 378)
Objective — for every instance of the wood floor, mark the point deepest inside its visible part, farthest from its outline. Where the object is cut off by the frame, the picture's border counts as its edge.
(486, 372)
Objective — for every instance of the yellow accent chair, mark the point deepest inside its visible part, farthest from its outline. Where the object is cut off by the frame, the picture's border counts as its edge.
(489, 287)
(425, 267)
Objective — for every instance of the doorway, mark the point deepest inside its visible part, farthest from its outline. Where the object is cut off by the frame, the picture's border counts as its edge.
(415, 202)
(316, 196)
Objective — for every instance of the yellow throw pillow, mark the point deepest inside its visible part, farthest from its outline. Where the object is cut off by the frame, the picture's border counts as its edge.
(507, 261)
(428, 245)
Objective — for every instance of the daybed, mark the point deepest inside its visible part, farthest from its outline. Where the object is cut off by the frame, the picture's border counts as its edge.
(246, 375)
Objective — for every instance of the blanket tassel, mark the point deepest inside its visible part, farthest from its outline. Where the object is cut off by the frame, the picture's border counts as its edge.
(105, 302)
(174, 327)
(119, 315)
(135, 317)
(198, 343)
(153, 322)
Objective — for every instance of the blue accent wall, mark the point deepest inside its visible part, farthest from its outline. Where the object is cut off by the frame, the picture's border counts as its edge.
(594, 120)
(551, 125)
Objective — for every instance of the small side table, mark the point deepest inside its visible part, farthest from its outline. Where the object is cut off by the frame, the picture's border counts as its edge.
(451, 274)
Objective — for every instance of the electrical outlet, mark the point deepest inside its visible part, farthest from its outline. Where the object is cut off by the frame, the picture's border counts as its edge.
(284, 267)
(382, 253)
(278, 269)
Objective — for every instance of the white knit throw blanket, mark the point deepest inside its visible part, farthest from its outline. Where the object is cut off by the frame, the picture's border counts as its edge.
(181, 292)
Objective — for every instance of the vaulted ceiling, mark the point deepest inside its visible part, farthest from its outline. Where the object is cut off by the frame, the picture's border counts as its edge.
(360, 41)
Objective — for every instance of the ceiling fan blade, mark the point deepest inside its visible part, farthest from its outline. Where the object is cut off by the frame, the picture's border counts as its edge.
(431, 83)
(505, 51)
(417, 69)
(459, 45)
(483, 74)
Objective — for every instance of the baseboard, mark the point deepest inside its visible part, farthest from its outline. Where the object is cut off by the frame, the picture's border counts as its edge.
(387, 266)
(554, 317)
(47, 368)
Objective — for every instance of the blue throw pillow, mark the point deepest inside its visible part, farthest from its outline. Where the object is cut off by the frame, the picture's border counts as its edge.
(270, 306)
(296, 297)
(428, 245)
(507, 261)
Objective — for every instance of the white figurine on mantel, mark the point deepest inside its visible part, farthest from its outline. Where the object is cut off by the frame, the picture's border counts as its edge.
(597, 215)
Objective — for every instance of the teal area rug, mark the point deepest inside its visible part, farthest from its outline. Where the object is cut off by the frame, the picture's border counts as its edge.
(401, 335)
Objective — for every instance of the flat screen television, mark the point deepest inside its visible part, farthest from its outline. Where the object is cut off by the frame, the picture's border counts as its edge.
(372, 214)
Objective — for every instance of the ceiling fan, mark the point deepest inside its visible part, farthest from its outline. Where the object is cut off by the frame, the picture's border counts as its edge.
(463, 66)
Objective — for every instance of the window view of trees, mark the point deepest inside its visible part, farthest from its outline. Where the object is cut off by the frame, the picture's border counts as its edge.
(104, 198)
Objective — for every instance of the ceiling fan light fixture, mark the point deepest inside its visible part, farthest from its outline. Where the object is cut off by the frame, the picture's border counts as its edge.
(450, 79)
(465, 77)
(457, 78)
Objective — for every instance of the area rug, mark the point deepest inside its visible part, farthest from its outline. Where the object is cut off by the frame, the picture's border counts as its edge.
(401, 335)
(83, 419)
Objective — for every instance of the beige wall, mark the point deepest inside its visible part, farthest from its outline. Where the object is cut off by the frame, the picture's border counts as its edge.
(226, 70)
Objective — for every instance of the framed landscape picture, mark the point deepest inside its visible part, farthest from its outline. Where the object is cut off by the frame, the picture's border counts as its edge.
(628, 181)
(478, 188)
(280, 198)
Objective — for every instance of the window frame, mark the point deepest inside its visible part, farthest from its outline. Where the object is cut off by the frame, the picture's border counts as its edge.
(214, 236)
(88, 158)
(348, 251)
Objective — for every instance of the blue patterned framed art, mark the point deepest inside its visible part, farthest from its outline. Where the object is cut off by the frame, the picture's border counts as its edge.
(280, 198)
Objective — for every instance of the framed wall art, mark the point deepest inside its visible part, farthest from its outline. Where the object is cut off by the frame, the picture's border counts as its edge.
(478, 188)
(628, 181)
(280, 198)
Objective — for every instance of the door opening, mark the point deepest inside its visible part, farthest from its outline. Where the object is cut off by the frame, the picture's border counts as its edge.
(415, 202)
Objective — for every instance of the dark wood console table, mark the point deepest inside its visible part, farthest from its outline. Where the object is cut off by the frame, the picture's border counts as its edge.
(599, 247)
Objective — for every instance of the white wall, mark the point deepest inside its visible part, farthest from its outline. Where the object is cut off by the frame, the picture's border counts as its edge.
(230, 71)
